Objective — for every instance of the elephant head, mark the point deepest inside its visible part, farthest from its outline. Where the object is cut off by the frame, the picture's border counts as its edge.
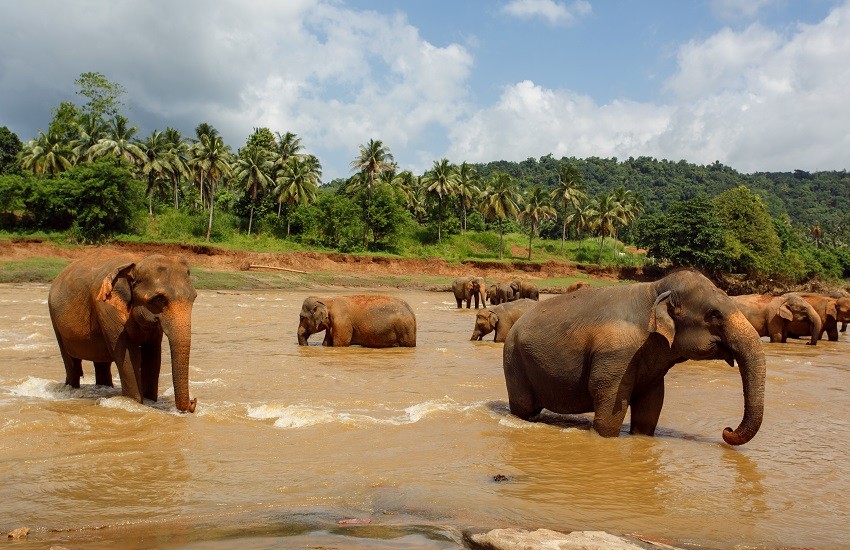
(314, 318)
(796, 309)
(485, 323)
(699, 321)
(153, 294)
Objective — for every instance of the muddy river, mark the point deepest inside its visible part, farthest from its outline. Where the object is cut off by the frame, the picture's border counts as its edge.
(403, 448)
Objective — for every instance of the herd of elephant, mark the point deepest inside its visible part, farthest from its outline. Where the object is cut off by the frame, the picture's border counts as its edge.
(603, 350)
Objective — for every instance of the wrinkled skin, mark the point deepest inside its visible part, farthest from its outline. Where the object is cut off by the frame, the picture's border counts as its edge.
(605, 350)
(469, 288)
(371, 321)
(500, 318)
(115, 308)
(771, 315)
(831, 311)
(524, 289)
(504, 293)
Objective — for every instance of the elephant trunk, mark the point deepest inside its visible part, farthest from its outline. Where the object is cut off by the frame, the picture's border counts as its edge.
(816, 326)
(302, 335)
(747, 350)
(179, 334)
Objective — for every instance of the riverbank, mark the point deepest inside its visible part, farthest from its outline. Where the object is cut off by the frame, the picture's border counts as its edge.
(33, 260)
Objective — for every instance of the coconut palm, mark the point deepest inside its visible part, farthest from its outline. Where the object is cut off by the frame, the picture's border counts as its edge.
(46, 154)
(118, 142)
(298, 183)
(177, 153)
(468, 192)
(569, 194)
(500, 201)
(253, 171)
(629, 204)
(211, 161)
(537, 208)
(374, 157)
(604, 217)
(202, 130)
(441, 182)
(91, 130)
(154, 163)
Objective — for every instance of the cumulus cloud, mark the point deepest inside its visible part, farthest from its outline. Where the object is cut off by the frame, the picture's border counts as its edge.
(556, 13)
(754, 100)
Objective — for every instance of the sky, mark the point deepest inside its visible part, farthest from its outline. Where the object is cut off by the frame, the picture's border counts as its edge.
(759, 85)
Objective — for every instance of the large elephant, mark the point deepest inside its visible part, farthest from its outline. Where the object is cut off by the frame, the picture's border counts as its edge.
(607, 349)
(525, 289)
(115, 308)
(469, 288)
(831, 310)
(504, 293)
(367, 320)
(500, 318)
(771, 315)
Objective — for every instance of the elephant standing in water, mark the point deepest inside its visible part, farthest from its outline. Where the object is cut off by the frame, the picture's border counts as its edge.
(831, 311)
(115, 308)
(607, 349)
(771, 315)
(524, 289)
(500, 318)
(371, 321)
(467, 288)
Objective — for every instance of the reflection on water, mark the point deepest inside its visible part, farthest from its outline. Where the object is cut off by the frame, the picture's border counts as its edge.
(287, 441)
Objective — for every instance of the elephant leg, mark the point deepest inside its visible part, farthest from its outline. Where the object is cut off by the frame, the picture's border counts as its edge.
(459, 302)
(151, 365)
(843, 326)
(73, 370)
(129, 362)
(521, 400)
(610, 402)
(476, 301)
(103, 373)
(646, 409)
(832, 333)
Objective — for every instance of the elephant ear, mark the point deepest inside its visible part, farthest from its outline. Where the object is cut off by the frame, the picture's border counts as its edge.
(660, 320)
(493, 318)
(785, 313)
(320, 313)
(831, 310)
(108, 284)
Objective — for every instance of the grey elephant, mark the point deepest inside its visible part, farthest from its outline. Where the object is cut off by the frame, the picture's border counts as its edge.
(607, 349)
(525, 289)
(491, 295)
(831, 310)
(500, 318)
(367, 320)
(505, 293)
(115, 308)
(772, 315)
(466, 289)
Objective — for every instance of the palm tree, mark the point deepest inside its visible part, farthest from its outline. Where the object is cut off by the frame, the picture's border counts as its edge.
(46, 154)
(581, 217)
(253, 172)
(605, 215)
(500, 201)
(537, 208)
(118, 142)
(570, 192)
(91, 129)
(440, 181)
(211, 160)
(374, 158)
(202, 130)
(468, 192)
(177, 153)
(298, 183)
(155, 163)
(629, 205)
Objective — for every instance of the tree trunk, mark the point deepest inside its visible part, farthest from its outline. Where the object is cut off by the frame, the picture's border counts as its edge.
(530, 235)
(176, 203)
(564, 237)
(501, 240)
(250, 218)
(601, 244)
(212, 207)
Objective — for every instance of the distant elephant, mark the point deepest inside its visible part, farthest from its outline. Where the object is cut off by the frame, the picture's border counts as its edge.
(525, 289)
(504, 293)
(831, 311)
(606, 349)
(500, 318)
(371, 321)
(115, 308)
(491, 295)
(469, 288)
(771, 315)
(577, 286)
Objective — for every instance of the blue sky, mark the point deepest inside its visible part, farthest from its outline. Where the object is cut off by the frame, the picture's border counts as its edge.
(760, 85)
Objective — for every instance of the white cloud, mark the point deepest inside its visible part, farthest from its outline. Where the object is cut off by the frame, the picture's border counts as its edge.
(754, 100)
(556, 13)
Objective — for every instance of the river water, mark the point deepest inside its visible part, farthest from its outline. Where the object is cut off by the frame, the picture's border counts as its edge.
(401, 448)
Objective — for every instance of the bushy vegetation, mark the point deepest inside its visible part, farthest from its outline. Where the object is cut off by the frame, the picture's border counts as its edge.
(92, 178)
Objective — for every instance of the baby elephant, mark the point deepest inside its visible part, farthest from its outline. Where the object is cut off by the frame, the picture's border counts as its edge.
(371, 321)
(500, 318)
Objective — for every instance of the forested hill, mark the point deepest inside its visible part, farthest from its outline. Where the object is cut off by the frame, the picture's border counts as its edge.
(807, 199)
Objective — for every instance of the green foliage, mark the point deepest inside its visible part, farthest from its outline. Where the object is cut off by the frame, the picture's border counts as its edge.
(752, 242)
(10, 146)
(104, 97)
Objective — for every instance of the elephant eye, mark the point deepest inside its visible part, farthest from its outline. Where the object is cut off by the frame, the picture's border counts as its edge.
(159, 301)
(714, 315)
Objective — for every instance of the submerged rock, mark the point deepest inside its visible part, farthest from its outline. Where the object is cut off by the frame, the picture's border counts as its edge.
(19, 533)
(546, 539)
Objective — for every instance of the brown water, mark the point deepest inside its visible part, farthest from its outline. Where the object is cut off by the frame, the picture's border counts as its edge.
(287, 441)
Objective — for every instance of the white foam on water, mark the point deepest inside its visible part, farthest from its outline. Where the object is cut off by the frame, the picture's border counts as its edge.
(292, 416)
(22, 340)
(417, 412)
(51, 390)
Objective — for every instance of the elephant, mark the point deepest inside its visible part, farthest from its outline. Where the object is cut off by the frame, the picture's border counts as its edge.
(469, 288)
(500, 318)
(524, 289)
(578, 285)
(831, 311)
(115, 308)
(491, 295)
(771, 315)
(368, 320)
(606, 349)
(504, 293)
